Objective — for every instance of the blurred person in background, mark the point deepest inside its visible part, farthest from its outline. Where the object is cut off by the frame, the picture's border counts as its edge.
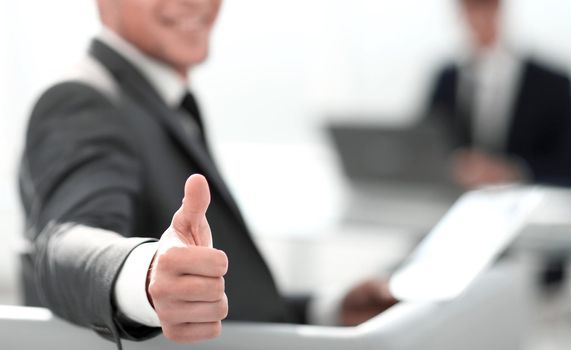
(108, 152)
(509, 116)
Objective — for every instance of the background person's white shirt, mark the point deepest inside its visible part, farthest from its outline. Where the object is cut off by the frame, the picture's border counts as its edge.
(495, 75)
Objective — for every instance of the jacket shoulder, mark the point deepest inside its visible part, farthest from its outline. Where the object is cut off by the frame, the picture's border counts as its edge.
(93, 73)
(87, 81)
(540, 71)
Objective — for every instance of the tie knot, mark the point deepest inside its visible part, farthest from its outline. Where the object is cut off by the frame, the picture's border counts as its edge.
(191, 118)
(190, 105)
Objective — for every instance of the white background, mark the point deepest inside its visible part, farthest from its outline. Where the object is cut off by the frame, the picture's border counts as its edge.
(278, 69)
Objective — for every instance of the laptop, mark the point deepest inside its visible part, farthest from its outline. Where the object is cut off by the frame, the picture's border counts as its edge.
(418, 153)
(395, 173)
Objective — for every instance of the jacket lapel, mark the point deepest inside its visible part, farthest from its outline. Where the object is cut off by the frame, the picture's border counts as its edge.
(133, 82)
(520, 109)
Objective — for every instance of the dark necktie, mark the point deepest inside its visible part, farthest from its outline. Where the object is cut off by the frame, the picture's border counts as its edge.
(192, 119)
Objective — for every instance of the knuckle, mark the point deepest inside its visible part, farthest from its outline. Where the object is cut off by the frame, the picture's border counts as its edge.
(175, 334)
(191, 333)
(168, 332)
(214, 330)
(219, 289)
(164, 315)
(165, 261)
(223, 309)
(221, 262)
(156, 290)
(170, 259)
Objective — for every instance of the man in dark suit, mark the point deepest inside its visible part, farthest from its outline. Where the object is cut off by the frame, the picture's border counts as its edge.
(107, 154)
(509, 117)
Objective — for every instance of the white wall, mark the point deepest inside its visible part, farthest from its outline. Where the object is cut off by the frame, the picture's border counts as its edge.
(277, 68)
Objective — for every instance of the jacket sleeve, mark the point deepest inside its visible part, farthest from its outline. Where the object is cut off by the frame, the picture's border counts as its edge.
(80, 170)
(550, 160)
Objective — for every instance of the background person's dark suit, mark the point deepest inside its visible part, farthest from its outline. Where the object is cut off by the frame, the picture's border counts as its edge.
(120, 164)
(538, 132)
(539, 129)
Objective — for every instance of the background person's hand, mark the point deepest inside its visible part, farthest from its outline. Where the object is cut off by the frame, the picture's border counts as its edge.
(473, 168)
(365, 301)
(186, 278)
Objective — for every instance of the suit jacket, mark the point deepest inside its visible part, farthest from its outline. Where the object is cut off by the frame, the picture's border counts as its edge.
(119, 162)
(540, 128)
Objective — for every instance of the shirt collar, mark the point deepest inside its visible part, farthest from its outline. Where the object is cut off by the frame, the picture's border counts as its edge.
(170, 86)
(499, 51)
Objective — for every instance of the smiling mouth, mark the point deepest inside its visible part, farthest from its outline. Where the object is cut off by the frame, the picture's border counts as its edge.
(188, 24)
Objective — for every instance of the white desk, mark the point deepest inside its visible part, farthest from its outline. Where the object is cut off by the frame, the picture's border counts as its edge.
(493, 315)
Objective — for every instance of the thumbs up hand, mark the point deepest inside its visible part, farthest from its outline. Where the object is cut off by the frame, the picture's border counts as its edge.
(186, 278)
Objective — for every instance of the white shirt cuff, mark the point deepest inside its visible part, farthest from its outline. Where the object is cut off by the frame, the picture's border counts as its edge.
(130, 289)
(324, 309)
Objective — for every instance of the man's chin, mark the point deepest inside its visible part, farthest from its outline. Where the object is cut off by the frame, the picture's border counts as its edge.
(199, 58)
(191, 58)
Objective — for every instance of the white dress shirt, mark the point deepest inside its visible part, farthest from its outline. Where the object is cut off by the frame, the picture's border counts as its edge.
(495, 78)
